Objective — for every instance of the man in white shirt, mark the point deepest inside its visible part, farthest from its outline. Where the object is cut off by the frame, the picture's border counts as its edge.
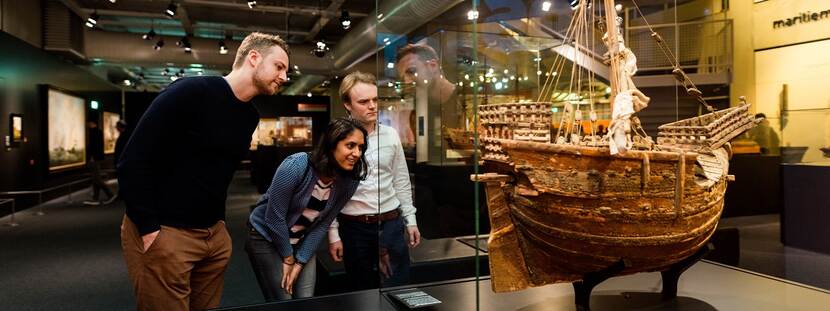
(370, 234)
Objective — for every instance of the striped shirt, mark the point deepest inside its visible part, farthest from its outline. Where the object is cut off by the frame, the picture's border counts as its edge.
(316, 204)
(286, 200)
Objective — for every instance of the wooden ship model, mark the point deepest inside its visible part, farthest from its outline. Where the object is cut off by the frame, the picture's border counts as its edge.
(568, 204)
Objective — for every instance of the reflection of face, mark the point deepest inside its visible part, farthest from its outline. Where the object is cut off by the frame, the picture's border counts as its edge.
(270, 71)
(412, 69)
(348, 150)
(364, 103)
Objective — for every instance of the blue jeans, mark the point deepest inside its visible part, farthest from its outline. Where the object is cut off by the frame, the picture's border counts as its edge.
(267, 264)
(361, 244)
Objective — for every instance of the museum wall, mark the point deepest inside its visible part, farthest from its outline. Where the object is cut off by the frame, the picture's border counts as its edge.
(23, 68)
(791, 69)
(22, 19)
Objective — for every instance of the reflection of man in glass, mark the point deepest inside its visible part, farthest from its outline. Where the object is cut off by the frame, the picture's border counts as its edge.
(765, 136)
(369, 232)
(420, 64)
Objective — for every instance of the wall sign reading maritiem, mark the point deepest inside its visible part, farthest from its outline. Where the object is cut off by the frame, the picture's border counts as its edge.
(110, 132)
(67, 133)
(802, 18)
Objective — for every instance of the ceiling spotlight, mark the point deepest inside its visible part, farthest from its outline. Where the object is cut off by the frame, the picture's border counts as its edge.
(251, 4)
(546, 6)
(308, 94)
(222, 48)
(149, 35)
(128, 82)
(171, 9)
(472, 15)
(574, 4)
(345, 19)
(180, 73)
(159, 45)
(165, 72)
(112, 1)
(185, 44)
(320, 49)
(92, 20)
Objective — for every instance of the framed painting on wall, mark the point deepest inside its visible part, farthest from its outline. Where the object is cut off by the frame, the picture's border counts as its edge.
(15, 129)
(110, 131)
(66, 130)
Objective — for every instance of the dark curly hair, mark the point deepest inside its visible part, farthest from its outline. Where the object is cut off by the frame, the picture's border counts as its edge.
(322, 157)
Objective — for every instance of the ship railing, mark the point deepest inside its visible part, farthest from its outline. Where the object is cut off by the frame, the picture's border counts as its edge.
(703, 47)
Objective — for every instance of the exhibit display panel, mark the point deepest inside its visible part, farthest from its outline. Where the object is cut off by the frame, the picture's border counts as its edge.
(538, 103)
(707, 286)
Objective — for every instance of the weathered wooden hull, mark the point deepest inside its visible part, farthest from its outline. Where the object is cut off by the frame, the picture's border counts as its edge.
(570, 210)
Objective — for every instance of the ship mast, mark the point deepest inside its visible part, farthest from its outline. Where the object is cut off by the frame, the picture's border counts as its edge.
(613, 48)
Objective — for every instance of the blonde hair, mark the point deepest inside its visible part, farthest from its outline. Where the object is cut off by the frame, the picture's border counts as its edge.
(260, 42)
(353, 79)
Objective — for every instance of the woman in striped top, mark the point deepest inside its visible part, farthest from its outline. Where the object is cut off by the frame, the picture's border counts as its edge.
(293, 217)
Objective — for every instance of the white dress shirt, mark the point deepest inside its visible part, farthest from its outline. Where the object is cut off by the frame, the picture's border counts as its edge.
(387, 184)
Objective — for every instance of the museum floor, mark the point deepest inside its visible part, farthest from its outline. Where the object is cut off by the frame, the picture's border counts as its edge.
(70, 258)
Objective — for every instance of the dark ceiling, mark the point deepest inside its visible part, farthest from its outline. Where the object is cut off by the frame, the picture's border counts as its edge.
(300, 23)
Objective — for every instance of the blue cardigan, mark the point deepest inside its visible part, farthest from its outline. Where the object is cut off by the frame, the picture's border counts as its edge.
(288, 196)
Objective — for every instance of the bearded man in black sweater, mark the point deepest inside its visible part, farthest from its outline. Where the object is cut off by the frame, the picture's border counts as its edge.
(175, 172)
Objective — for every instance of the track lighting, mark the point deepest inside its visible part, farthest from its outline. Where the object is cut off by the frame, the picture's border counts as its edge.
(251, 4)
(92, 20)
(185, 44)
(165, 72)
(546, 6)
(320, 49)
(345, 19)
(222, 48)
(171, 9)
(574, 4)
(159, 45)
(149, 35)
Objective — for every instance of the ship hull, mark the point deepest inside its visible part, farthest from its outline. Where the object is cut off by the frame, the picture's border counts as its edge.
(564, 211)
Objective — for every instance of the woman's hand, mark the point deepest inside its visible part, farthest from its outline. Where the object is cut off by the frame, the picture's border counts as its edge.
(290, 275)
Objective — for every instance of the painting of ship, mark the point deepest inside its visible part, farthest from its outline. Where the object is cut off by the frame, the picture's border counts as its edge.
(565, 202)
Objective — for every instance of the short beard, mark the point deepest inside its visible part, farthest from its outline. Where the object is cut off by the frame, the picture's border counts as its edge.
(262, 86)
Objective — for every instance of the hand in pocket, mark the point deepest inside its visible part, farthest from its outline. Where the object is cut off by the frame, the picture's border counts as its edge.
(149, 238)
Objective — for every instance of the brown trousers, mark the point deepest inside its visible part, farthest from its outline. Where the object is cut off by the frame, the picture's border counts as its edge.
(184, 269)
